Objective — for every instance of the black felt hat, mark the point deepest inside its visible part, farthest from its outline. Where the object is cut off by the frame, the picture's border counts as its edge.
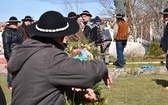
(27, 18)
(73, 15)
(13, 19)
(118, 16)
(86, 13)
(165, 11)
(53, 24)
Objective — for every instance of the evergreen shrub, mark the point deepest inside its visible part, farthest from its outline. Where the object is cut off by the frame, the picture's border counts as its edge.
(155, 49)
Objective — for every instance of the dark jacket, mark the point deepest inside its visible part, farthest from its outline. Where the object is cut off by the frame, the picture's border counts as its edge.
(165, 39)
(44, 71)
(10, 37)
(91, 31)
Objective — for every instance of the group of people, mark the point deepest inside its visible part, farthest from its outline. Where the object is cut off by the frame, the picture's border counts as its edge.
(94, 33)
(38, 64)
(39, 70)
(12, 36)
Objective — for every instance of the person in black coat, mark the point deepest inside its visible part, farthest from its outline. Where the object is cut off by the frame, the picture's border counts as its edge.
(11, 37)
(91, 29)
(164, 40)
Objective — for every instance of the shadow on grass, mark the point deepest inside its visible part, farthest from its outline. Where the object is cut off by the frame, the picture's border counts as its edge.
(164, 83)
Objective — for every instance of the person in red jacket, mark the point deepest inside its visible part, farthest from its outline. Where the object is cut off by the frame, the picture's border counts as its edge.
(121, 31)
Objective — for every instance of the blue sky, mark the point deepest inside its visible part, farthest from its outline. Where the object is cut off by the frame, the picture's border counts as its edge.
(34, 8)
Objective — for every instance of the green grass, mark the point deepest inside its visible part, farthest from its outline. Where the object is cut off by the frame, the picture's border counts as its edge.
(142, 90)
(139, 59)
(145, 89)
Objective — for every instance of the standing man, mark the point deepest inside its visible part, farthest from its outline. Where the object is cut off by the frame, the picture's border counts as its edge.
(11, 37)
(165, 35)
(164, 40)
(90, 29)
(26, 21)
(120, 36)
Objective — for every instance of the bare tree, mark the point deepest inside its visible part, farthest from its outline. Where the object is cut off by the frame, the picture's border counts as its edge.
(120, 6)
(143, 16)
(71, 5)
(109, 7)
(156, 19)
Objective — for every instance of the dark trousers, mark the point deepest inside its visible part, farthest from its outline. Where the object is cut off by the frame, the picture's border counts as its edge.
(167, 62)
(120, 52)
(9, 79)
(105, 46)
(105, 49)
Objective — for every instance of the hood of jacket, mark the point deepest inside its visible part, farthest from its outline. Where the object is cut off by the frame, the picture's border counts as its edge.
(21, 53)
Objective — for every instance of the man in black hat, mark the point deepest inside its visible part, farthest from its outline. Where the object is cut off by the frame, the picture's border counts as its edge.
(91, 29)
(73, 15)
(165, 35)
(44, 72)
(164, 40)
(79, 35)
(11, 37)
(26, 21)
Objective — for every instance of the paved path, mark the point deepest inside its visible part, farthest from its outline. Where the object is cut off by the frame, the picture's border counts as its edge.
(142, 62)
(115, 72)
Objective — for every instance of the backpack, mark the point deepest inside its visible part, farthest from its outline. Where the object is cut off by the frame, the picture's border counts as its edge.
(106, 35)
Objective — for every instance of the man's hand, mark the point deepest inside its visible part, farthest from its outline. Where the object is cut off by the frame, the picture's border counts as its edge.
(90, 94)
(103, 44)
(166, 53)
(107, 79)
